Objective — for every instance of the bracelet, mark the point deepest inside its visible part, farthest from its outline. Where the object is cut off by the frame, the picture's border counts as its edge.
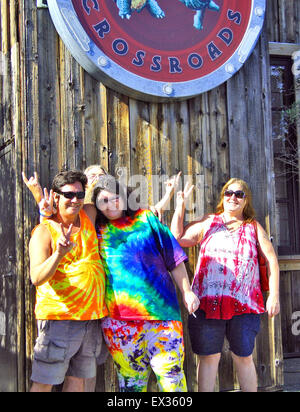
(41, 214)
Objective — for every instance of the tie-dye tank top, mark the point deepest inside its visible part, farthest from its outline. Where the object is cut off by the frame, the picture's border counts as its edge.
(227, 274)
(76, 291)
(138, 253)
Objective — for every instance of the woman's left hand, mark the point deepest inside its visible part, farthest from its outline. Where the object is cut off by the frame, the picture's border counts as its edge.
(191, 301)
(172, 183)
(273, 305)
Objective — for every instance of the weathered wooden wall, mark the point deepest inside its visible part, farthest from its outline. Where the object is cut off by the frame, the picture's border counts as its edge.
(285, 15)
(283, 21)
(55, 116)
(12, 238)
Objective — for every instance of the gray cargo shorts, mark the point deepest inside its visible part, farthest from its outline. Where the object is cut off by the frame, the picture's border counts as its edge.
(66, 348)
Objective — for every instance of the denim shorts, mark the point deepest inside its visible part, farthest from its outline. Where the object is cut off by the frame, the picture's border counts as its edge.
(66, 348)
(207, 335)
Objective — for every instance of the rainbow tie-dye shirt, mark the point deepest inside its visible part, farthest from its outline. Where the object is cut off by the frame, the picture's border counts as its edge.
(138, 253)
(76, 291)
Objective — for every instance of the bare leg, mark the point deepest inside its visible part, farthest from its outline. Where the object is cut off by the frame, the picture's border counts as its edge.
(207, 372)
(90, 384)
(246, 372)
(40, 387)
(73, 384)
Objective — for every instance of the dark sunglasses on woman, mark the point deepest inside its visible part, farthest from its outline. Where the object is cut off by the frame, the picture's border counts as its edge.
(238, 193)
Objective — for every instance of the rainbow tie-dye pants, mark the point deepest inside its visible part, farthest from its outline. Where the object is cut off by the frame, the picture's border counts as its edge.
(139, 346)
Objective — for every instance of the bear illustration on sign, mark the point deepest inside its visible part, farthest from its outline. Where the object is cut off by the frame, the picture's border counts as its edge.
(126, 7)
(200, 6)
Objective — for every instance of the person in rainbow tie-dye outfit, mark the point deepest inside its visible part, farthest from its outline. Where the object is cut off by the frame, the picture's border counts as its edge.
(143, 330)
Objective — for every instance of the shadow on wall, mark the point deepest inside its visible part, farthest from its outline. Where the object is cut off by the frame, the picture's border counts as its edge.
(8, 371)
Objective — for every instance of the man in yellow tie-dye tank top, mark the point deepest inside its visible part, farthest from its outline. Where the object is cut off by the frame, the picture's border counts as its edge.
(66, 269)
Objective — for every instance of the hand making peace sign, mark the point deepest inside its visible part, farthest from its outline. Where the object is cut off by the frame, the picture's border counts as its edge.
(183, 195)
(172, 183)
(46, 204)
(64, 245)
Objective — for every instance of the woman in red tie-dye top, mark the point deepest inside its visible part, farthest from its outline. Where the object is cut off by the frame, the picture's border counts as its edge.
(227, 282)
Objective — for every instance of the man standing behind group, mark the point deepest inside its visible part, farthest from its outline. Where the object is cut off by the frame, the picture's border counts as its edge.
(66, 269)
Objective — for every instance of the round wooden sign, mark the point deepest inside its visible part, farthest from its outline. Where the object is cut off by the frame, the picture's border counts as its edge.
(160, 50)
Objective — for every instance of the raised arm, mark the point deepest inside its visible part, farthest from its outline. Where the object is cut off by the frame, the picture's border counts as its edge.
(273, 305)
(171, 185)
(91, 211)
(34, 186)
(191, 234)
(178, 217)
(42, 198)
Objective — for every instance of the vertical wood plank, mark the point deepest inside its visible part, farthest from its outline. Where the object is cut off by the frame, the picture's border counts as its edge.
(48, 90)
(17, 132)
(10, 337)
(118, 133)
(140, 145)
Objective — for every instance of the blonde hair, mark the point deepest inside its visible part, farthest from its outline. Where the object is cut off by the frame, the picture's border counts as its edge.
(248, 212)
(99, 167)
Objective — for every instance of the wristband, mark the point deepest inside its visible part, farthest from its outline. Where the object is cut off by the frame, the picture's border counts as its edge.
(41, 214)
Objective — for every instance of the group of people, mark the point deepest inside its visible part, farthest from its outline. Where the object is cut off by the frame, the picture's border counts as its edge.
(105, 273)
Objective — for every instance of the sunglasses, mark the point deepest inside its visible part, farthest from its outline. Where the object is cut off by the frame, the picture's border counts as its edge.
(71, 195)
(239, 194)
(105, 201)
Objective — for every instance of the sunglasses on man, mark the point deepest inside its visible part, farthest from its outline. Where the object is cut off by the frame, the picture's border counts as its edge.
(71, 195)
(238, 193)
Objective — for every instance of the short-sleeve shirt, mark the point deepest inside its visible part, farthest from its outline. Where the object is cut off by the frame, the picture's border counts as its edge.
(138, 253)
